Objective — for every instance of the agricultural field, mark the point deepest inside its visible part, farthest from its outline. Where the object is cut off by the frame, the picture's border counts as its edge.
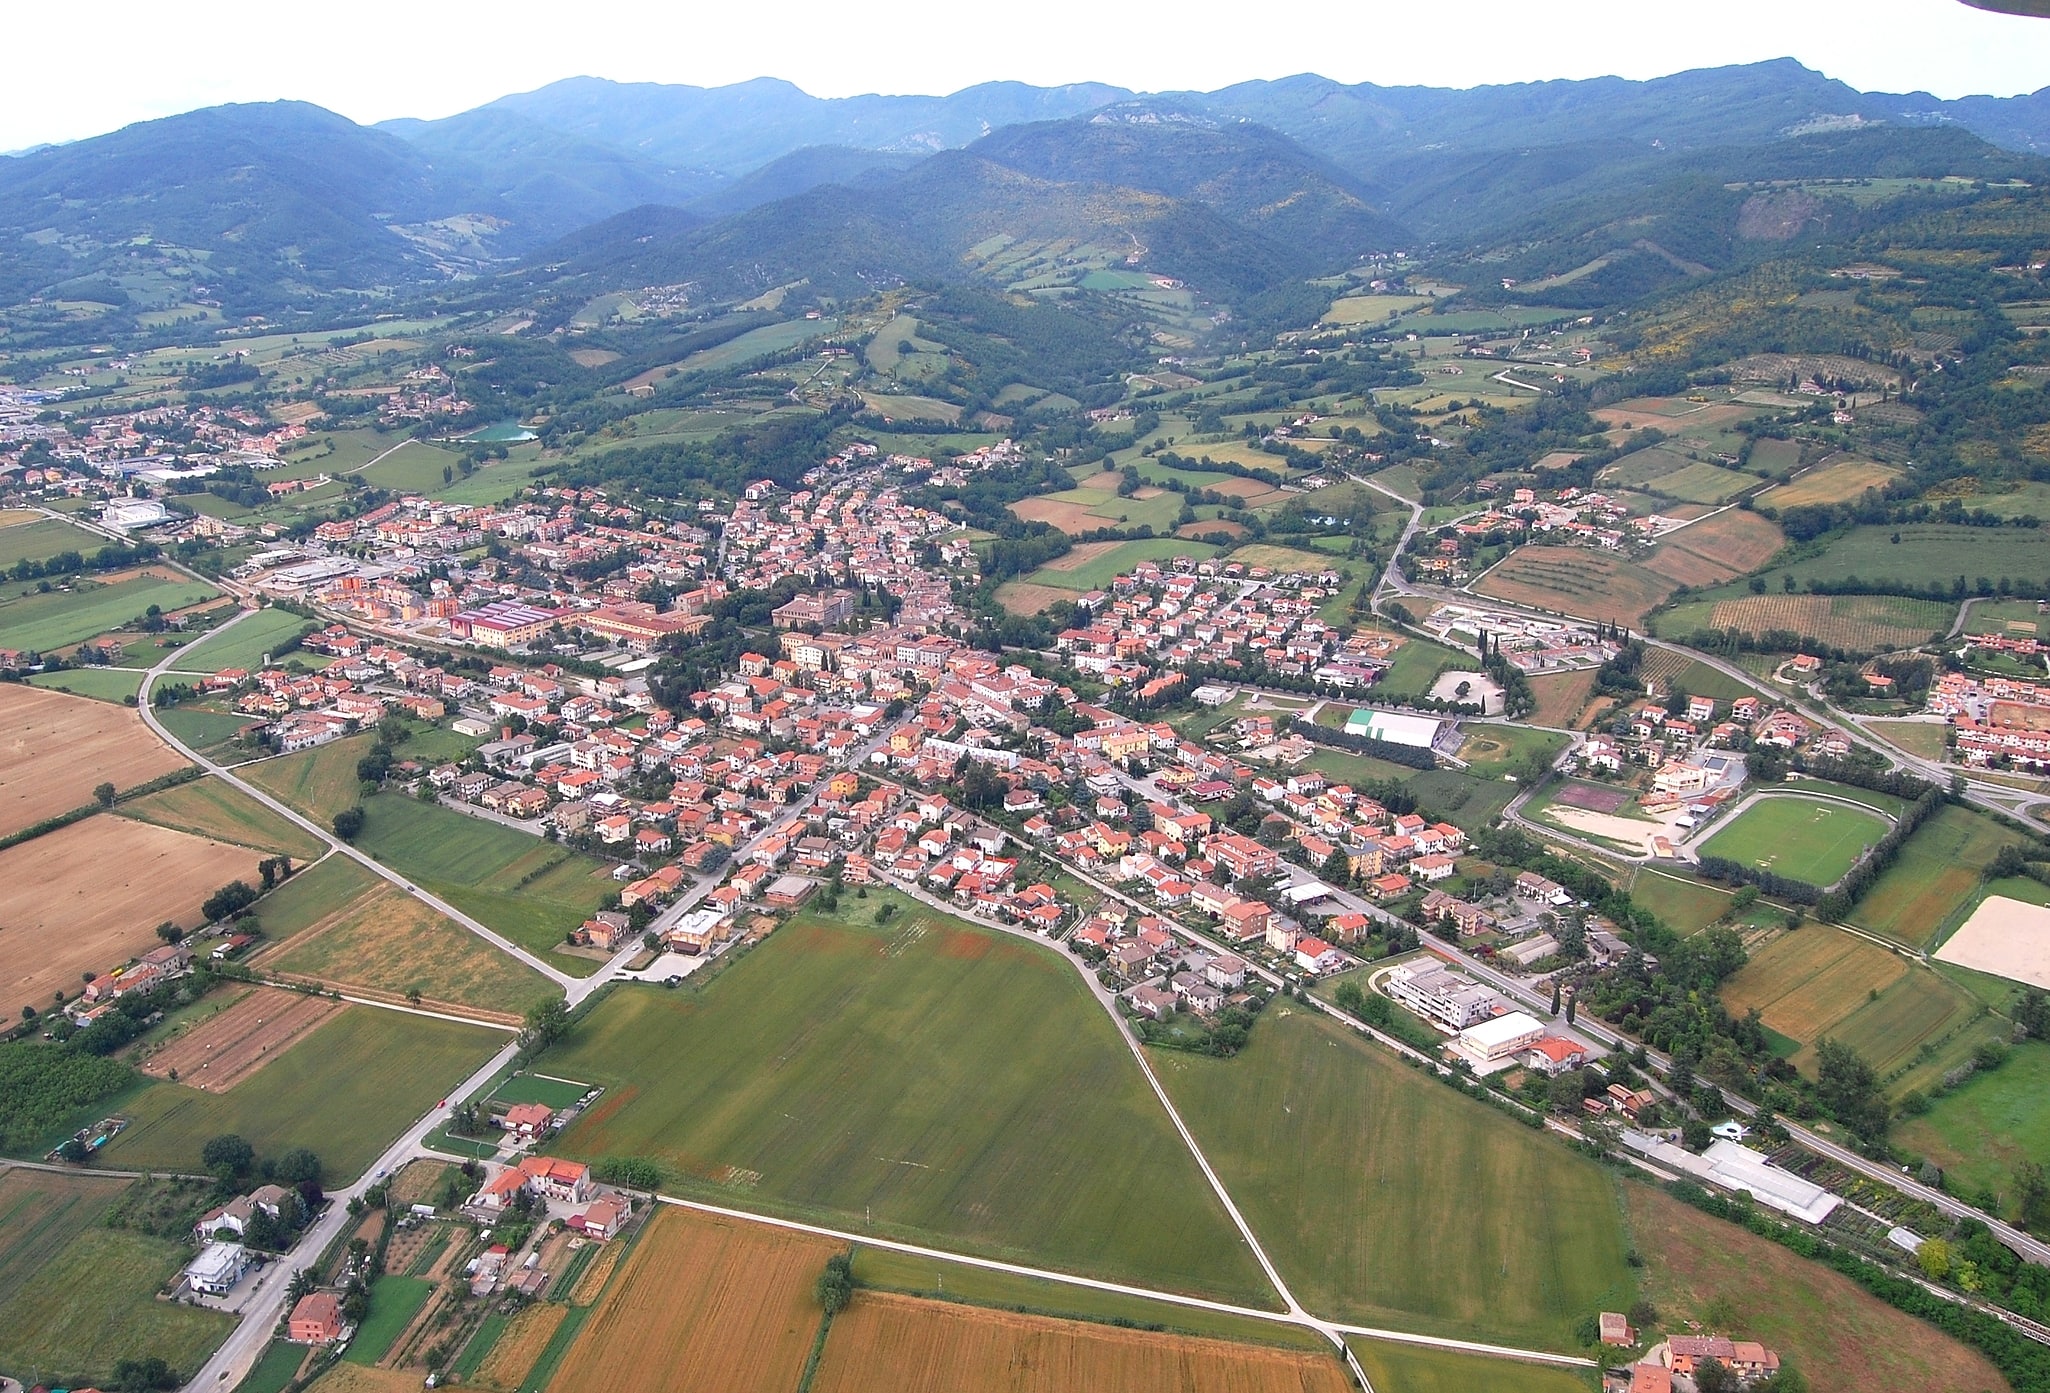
(1817, 981)
(1927, 739)
(1025, 597)
(727, 1300)
(239, 1032)
(42, 538)
(206, 730)
(1493, 750)
(1371, 309)
(1092, 565)
(1856, 623)
(81, 1305)
(394, 1301)
(1982, 1130)
(1561, 696)
(1387, 1200)
(1280, 558)
(40, 1212)
(900, 1342)
(519, 1347)
(1730, 544)
(312, 895)
(1095, 503)
(217, 809)
(1799, 838)
(525, 887)
(1934, 879)
(1576, 581)
(885, 1269)
(345, 1090)
(43, 623)
(833, 1071)
(1671, 670)
(1836, 480)
(1685, 906)
(1415, 1369)
(115, 684)
(245, 645)
(88, 897)
(1926, 552)
(54, 749)
(387, 941)
(1842, 1339)
(319, 782)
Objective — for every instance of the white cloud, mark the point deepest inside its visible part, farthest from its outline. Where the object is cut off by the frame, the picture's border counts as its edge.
(376, 59)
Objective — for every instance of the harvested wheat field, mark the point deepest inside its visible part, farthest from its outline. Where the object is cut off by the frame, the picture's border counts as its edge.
(1730, 544)
(520, 1347)
(89, 896)
(344, 1377)
(56, 748)
(1079, 555)
(1858, 623)
(1068, 517)
(1834, 481)
(2005, 937)
(728, 1301)
(1025, 597)
(215, 1054)
(908, 1345)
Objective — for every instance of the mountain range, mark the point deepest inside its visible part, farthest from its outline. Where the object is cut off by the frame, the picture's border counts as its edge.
(743, 187)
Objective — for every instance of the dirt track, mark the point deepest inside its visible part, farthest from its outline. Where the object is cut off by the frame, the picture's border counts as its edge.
(220, 1052)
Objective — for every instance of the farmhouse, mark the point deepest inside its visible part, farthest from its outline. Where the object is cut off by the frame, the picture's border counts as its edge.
(316, 1319)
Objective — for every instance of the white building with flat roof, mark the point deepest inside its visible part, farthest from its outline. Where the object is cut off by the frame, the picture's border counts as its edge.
(1498, 1041)
(1397, 728)
(217, 1268)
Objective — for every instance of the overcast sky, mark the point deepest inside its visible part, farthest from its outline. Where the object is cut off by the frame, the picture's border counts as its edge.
(78, 71)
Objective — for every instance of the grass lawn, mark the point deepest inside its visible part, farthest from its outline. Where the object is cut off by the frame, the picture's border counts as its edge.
(59, 618)
(205, 731)
(1686, 906)
(118, 685)
(312, 895)
(319, 782)
(1797, 838)
(94, 1304)
(279, 1365)
(527, 888)
(1924, 893)
(927, 1079)
(952, 1281)
(394, 1301)
(1388, 1200)
(345, 1091)
(1842, 1339)
(1460, 799)
(532, 1088)
(1924, 738)
(214, 808)
(1416, 666)
(1997, 1120)
(1415, 1369)
(245, 645)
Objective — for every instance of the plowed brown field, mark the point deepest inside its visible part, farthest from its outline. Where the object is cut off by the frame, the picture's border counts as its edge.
(704, 1302)
(221, 1051)
(913, 1346)
(55, 748)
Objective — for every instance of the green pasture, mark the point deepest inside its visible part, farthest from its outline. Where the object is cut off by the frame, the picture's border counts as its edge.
(202, 729)
(1927, 552)
(1387, 1200)
(529, 889)
(1416, 1369)
(344, 1091)
(215, 808)
(89, 608)
(1798, 838)
(394, 1301)
(922, 1078)
(118, 685)
(94, 1303)
(43, 539)
(319, 782)
(1684, 906)
(312, 895)
(244, 645)
(1981, 1131)
(1932, 880)
(1099, 571)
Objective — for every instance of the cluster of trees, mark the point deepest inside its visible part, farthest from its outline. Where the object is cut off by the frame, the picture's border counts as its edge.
(111, 557)
(1724, 871)
(1409, 756)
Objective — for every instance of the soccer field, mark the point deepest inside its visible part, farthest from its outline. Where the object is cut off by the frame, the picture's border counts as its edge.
(926, 1079)
(1798, 838)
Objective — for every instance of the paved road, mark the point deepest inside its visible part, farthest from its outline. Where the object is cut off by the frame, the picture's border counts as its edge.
(261, 1311)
